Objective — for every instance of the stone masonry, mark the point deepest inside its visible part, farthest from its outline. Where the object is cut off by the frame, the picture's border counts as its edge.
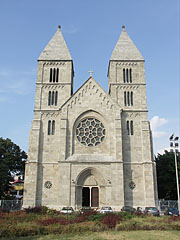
(90, 148)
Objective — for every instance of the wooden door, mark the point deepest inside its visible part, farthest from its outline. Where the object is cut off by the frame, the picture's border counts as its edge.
(94, 197)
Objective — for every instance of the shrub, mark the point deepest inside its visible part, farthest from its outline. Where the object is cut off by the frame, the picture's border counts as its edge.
(81, 218)
(49, 221)
(126, 215)
(111, 220)
(38, 209)
(97, 217)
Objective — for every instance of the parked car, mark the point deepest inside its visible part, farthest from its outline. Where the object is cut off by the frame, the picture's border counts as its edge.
(106, 210)
(152, 211)
(67, 210)
(128, 209)
(171, 211)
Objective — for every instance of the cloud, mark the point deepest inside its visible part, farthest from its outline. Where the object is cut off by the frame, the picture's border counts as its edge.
(156, 122)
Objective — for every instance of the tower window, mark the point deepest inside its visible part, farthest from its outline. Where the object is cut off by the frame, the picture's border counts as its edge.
(127, 126)
(132, 131)
(54, 75)
(127, 75)
(130, 75)
(124, 75)
(51, 127)
(52, 98)
(50, 78)
(128, 98)
(56, 98)
(131, 98)
(125, 100)
(57, 74)
(49, 99)
(127, 80)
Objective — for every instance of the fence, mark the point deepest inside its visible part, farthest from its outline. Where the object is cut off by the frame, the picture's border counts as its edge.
(15, 205)
(167, 203)
(11, 205)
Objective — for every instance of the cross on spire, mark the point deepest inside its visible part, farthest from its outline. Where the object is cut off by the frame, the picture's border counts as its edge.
(90, 73)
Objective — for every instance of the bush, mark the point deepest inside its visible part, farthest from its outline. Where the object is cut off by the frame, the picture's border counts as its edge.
(49, 221)
(97, 217)
(39, 210)
(111, 220)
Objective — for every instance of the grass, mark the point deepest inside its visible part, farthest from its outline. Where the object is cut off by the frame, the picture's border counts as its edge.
(109, 235)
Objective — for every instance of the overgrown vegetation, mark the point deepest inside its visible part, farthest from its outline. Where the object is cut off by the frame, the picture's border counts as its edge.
(44, 221)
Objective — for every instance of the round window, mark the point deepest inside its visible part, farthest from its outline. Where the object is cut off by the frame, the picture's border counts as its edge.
(90, 132)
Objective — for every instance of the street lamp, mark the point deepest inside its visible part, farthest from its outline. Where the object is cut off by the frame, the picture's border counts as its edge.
(174, 145)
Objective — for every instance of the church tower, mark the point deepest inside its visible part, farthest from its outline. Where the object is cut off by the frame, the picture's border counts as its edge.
(54, 86)
(126, 80)
(90, 148)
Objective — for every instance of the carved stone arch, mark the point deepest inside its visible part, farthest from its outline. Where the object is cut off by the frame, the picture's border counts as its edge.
(88, 172)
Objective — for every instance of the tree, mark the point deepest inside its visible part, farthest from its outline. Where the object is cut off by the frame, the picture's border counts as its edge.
(166, 175)
(12, 161)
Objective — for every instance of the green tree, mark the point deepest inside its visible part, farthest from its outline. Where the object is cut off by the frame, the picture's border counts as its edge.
(12, 161)
(166, 175)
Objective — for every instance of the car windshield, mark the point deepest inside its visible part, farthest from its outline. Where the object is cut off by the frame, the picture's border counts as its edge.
(152, 208)
(66, 208)
(106, 208)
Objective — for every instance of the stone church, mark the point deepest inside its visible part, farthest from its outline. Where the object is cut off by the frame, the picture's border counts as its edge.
(90, 147)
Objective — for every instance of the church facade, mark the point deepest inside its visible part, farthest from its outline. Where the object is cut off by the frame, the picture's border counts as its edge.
(90, 148)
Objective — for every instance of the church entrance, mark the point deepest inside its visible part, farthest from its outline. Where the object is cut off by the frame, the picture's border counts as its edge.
(90, 197)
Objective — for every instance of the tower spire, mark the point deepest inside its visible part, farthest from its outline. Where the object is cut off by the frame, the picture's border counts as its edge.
(56, 49)
(125, 49)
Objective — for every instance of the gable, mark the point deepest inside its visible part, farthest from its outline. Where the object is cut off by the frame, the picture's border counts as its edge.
(89, 91)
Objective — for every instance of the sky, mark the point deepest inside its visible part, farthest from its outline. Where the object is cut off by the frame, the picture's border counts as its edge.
(91, 29)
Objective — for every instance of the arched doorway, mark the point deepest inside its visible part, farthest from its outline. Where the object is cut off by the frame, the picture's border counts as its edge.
(88, 187)
(90, 192)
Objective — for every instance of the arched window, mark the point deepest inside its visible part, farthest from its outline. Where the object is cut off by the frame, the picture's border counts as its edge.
(131, 98)
(54, 75)
(127, 123)
(57, 74)
(130, 75)
(52, 101)
(127, 80)
(124, 75)
(49, 99)
(125, 102)
(49, 127)
(53, 127)
(132, 130)
(128, 100)
(50, 77)
(56, 98)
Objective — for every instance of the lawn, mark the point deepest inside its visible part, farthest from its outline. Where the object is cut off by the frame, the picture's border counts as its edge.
(110, 235)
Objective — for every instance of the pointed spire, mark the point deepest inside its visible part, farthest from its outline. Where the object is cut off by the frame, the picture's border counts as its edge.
(125, 49)
(56, 49)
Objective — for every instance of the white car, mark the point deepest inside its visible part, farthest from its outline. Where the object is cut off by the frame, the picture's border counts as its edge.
(67, 210)
(106, 210)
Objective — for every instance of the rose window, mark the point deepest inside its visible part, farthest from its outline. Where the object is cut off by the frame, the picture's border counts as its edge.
(90, 132)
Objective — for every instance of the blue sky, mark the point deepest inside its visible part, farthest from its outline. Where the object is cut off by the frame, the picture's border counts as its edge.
(91, 29)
